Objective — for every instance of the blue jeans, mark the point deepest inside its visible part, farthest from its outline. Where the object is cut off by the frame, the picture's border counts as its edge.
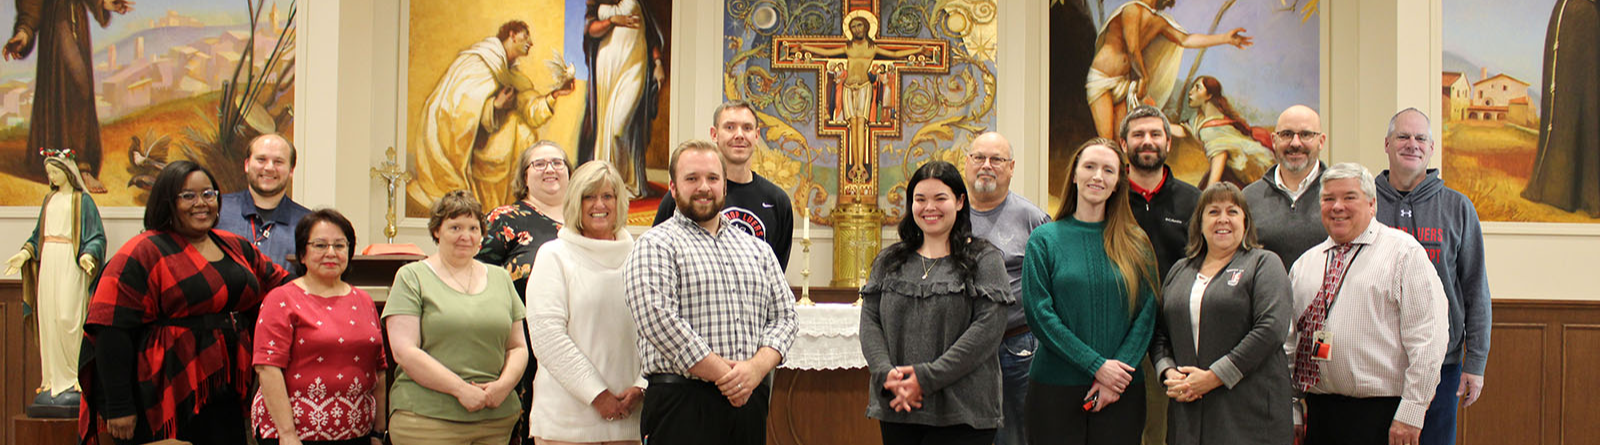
(1439, 427)
(1016, 353)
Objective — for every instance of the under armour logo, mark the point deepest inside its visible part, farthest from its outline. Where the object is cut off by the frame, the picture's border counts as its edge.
(1405, 213)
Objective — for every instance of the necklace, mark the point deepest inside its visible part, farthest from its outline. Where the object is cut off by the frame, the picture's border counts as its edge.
(456, 277)
(928, 267)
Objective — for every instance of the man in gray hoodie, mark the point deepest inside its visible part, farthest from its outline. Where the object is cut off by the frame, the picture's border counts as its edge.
(1412, 198)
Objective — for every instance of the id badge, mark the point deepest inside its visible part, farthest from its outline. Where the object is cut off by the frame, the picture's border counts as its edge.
(1321, 345)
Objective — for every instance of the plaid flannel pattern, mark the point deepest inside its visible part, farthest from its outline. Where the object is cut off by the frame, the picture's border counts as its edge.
(158, 276)
(693, 294)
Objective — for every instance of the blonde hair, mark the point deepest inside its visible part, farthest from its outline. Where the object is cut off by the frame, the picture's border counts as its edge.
(590, 178)
(1126, 243)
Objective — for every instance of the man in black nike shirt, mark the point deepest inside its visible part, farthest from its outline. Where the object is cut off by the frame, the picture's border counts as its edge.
(754, 204)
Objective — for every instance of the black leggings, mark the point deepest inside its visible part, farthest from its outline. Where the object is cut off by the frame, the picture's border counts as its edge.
(1055, 415)
(220, 422)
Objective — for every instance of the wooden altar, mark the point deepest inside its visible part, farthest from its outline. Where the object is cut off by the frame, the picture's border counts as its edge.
(822, 407)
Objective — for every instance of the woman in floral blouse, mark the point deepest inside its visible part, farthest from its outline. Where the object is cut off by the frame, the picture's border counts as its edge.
(515, 232)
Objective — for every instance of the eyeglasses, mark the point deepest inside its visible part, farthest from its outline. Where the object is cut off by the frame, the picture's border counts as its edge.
(1288, 135)
(334, 247)
(553, 164)
(981, 159)
(210, 195)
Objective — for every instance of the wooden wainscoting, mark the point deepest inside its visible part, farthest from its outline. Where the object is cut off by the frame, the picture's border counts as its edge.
(1540, 386)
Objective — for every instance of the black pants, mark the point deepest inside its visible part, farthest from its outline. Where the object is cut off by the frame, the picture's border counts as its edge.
(219, 422)
(679, 411)
(913, 434)
(1055, 415)
(355, 441)
(1334, 419)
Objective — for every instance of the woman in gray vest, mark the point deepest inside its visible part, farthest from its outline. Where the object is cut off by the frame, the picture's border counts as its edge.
(1234, 295)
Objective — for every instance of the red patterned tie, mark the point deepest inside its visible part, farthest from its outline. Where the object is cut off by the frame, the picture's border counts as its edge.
(1311, 321)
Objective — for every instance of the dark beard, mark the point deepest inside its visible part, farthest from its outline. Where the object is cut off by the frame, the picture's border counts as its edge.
(686, 206)
(1137, 160)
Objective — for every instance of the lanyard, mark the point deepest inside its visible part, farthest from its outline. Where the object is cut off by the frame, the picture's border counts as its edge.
(257, 237)
(1338, 285)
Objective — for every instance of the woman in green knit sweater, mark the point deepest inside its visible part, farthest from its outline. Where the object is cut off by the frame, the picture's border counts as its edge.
(1088, 289)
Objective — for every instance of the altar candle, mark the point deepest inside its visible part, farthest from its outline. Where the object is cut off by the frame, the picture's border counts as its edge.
(805, 213)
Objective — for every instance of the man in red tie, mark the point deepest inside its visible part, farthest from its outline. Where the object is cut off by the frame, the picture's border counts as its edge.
(1370, 330)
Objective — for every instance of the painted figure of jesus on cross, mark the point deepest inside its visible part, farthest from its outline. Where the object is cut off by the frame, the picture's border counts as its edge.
(852, 75)
(858, 81)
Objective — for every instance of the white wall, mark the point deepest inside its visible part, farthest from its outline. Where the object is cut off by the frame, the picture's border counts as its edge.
(1379, 56)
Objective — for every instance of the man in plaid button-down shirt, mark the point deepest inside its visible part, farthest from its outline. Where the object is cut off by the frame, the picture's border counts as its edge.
(714, 311)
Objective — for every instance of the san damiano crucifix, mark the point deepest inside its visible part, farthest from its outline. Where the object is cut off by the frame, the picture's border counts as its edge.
(858, 80)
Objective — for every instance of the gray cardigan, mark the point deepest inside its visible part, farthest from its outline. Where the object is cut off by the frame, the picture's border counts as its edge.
(1244, 318)
(947, 330)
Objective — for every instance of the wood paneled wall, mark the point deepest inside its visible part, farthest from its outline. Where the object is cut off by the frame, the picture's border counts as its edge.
(1540, 385)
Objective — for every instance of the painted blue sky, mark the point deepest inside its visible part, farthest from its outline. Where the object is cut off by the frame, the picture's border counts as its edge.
(1503, 36)
(573, 48)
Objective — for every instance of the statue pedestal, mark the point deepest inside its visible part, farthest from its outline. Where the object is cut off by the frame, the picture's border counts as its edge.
(44, 431)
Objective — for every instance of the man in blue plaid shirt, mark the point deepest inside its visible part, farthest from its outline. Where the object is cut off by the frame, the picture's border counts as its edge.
(714, 311)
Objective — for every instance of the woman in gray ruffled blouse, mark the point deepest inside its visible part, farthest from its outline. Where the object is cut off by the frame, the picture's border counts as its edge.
(932, 314)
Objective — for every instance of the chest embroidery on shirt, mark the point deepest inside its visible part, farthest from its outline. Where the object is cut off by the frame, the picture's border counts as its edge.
(1233, 276)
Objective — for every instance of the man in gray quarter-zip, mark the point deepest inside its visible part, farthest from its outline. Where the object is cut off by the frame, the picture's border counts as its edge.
(1284, 201)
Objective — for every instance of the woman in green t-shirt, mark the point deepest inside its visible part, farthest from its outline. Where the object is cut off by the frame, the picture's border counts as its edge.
(455, 329)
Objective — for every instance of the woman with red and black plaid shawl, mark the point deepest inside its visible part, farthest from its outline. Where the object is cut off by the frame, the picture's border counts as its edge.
(168, 332)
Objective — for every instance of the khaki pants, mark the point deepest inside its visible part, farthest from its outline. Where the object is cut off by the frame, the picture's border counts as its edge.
(538, 441)
(408, 428)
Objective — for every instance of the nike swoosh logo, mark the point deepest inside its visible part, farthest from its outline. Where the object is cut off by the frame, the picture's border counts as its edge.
(766, 206)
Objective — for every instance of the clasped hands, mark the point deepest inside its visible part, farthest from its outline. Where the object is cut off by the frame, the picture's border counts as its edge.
(1110, 381)
(902, 381)
(612, 406)
(478, 396)
(1187, 383)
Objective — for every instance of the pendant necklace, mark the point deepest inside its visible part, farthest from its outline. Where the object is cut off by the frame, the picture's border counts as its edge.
(927, 267)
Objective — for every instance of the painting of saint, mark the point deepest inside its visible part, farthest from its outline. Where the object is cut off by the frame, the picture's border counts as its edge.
(1521, 128)
(128, 87)
(623, 45)
(587, 76)
(472, 122)
(1151, 52)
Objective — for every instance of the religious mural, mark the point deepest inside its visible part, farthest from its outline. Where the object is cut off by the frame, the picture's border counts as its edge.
(1518, 99)
(488, 78)
(853, 95)
(1221, 70)
(124, 87)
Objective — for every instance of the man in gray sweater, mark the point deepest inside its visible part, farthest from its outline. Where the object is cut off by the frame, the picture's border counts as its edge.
(1005, 219)
(1412, 198)
(1284, 201)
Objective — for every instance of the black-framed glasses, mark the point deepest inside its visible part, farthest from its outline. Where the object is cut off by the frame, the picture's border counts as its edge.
(210, 195)
(1289, 135)
(553, 164)
(982, 159)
